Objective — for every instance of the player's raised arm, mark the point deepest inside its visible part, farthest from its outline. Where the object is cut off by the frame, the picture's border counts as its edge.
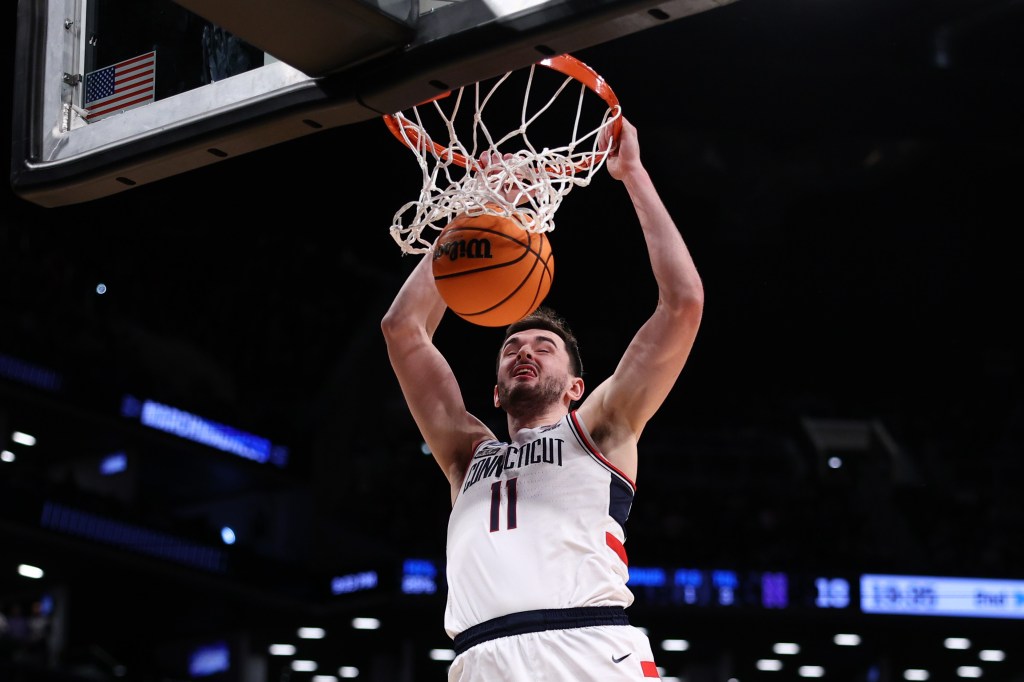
(427, 381)
(625, 402)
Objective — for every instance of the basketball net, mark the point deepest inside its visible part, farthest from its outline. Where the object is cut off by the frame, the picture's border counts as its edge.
(470, 167)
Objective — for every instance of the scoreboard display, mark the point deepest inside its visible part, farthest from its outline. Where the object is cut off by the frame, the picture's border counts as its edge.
(921, 595)
(884, 594)
(727, 588)
(724, 588)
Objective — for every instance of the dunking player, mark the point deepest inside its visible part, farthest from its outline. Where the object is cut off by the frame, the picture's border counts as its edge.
(536, 566)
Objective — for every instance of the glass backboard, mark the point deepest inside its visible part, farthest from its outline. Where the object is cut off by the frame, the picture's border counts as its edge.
(113, 94)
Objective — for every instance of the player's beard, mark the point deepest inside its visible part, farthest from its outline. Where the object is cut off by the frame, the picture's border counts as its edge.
(519, 398)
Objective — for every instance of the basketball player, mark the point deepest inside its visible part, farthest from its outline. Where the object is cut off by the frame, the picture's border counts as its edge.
(536, 566)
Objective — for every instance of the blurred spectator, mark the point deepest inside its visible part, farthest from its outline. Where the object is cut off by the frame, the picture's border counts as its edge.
(38, 624)
(17, 623)
(25, 633)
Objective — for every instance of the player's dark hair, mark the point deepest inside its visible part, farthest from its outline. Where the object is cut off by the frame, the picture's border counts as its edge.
(547, 319)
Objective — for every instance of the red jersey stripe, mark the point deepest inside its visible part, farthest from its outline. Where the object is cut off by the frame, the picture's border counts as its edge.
(614, 543)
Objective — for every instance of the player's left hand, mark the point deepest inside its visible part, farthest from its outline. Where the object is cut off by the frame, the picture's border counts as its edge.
(626, 154)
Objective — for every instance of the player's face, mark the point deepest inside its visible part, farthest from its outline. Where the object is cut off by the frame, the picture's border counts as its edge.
(533, 370)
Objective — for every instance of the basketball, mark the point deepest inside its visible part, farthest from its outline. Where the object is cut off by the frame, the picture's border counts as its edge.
(490, 271)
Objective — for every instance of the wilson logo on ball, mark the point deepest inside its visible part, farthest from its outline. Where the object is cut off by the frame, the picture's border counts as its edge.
(495, 271)
(464, 248)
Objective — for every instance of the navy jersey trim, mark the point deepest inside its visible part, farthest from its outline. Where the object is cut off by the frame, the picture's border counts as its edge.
(620, 488)
(581, 437)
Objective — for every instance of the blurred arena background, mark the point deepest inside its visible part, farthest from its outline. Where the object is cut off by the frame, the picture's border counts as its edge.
(208, 470)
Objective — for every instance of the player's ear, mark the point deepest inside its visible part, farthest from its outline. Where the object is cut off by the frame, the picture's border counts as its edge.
(497, 403)
(576, 389)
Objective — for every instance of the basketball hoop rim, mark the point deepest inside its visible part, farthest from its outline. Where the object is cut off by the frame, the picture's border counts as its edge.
(565, 64)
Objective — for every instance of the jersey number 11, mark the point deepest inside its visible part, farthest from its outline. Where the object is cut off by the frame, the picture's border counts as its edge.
(510, 516)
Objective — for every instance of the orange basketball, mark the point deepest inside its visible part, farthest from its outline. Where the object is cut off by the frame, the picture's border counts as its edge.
(490, 271)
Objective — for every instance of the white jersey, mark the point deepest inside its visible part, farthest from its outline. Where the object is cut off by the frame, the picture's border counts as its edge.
(538, 524)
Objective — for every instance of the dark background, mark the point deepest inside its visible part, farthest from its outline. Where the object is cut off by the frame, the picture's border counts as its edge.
(847, 176)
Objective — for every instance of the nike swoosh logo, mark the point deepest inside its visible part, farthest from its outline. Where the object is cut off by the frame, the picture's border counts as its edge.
(621, 658)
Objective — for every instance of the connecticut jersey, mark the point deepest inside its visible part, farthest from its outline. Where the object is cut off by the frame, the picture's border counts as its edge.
(538, 523)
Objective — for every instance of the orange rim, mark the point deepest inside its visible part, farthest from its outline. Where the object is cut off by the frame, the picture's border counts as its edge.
(565, 64)
(574, 68)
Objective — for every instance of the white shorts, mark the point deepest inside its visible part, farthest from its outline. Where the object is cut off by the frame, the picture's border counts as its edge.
(608, 653)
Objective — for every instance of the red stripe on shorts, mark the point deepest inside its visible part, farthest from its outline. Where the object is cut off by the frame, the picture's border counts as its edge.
(614, 543)
(650, 670)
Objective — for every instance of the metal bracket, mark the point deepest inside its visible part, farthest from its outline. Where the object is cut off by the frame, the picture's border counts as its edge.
(72, 79)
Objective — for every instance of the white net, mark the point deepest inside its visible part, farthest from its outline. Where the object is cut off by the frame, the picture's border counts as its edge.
(470, 167)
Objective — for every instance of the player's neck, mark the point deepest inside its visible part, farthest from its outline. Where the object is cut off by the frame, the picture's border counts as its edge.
(533, 420)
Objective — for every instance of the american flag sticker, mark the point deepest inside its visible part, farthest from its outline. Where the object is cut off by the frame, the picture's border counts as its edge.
(120, 87)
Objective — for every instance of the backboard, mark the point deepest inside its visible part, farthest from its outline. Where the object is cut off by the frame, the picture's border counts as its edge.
(190, 83)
